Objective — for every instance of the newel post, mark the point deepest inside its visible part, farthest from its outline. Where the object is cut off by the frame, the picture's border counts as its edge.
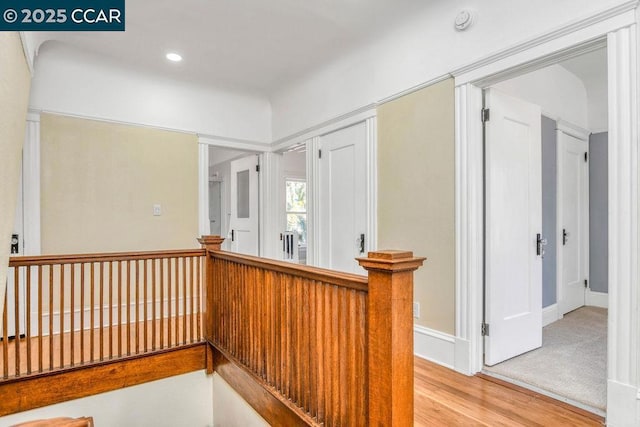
(209, 243)
(390, 336)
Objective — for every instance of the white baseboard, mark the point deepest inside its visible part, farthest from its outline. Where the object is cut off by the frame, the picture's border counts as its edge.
(434, 346)
(550, 314)
(596, 299)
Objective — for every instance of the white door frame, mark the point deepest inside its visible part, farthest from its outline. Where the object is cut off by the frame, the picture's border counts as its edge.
(616, 27)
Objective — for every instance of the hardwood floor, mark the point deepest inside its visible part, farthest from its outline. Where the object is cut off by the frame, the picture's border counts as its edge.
(446, 398)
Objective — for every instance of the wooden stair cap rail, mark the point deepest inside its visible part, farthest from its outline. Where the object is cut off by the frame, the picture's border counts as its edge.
(211, 243)
(391, 260)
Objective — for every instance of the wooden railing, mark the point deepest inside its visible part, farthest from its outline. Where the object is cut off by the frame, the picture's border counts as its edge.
(330, 348)
(76, 310)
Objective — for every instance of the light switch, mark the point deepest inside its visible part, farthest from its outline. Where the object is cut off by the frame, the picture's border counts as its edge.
(157, 210)
(416, 310)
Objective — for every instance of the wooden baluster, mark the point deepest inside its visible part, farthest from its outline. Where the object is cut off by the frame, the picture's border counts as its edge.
(51, 317)
(146, 302)
(72, 301)
(5, 339)
(191, 299)
(61, 330)
(351, 386)
(154, 265)
(101, 333)
(136, 265)
(92, 319)
(312, 350)
(82, 309)
(362, 357)
(169, 301)
(128, 312)
(120, 267)
(304, 348)
(177, 286)
(390, 336)
(16, 307)
(162, 303)
(199, 290)
(40, 316)
(28, 316)
(327, 339)
(184, 300)
(110, 310)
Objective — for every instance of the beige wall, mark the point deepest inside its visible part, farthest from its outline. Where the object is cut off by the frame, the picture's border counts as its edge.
(15, 82)
(100, 181)
(416, 194)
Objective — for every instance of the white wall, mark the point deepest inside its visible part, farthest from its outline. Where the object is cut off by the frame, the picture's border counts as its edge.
(559, 93)
(230, 409)
(73, 82)
(184, 400)
(426, 48)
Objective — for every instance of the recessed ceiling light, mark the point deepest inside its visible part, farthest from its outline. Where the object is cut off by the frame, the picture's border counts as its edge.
(174, 57)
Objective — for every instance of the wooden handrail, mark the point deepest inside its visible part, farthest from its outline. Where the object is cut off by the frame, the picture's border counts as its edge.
(337, 278)
(19, 261)
(330, 348)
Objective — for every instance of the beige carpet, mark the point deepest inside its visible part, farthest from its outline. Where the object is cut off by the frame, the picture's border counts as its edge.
(572, 361)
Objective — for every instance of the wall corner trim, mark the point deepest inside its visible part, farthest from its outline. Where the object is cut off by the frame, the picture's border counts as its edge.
(29, 54)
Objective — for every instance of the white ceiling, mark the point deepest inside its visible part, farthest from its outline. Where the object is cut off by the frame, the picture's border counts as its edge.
(250, 45)
(591, 67)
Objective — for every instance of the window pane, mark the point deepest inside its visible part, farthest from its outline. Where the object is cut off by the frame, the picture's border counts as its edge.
(243, 194)
(298, 223)
(296, 196)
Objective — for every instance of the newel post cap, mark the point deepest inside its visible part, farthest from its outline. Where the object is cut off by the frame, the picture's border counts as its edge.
(212, 243)
(391, 261)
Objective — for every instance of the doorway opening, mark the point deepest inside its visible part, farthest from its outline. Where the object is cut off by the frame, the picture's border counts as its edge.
(546, 242)
(294, 238)
(233, 194)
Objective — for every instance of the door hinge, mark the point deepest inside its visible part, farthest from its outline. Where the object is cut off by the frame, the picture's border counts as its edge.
(485, 114)
(484, 329)
(586, 156)
(319, 154)
(257, 168)
(586, 283)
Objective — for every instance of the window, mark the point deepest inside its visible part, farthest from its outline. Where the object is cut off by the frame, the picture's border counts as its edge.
(296, 208)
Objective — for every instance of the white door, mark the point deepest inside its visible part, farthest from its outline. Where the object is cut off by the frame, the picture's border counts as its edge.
(513, 294)
(243, 222)
(342, 199)
(573, 221)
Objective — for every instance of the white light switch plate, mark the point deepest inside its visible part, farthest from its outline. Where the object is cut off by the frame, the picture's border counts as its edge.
(157, 210)
(416, 310)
